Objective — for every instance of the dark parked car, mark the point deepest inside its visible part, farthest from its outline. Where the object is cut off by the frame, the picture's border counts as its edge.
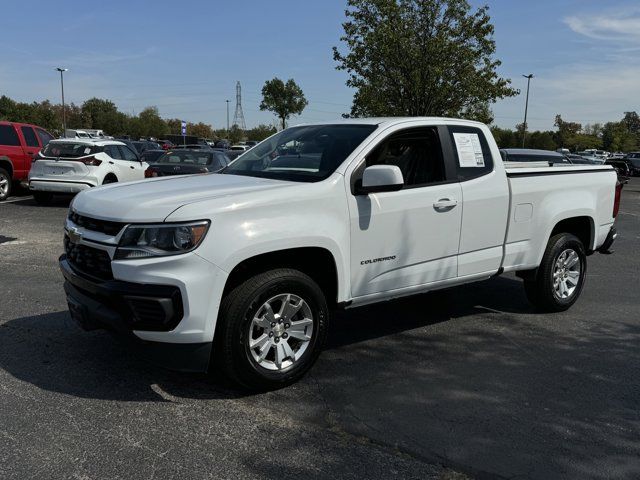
(185, 162)
(143, 145)
(633, 161)
(150, 156)
(192, 146)
(531, 155)
(621, 167)
(579, 160)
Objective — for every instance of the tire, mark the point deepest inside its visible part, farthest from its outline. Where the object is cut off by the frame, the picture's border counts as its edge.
(243, 317)
(42, 198)
(6, 184)
(109, 179)
(565, 258)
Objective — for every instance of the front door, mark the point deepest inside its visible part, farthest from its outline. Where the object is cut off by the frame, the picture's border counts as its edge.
(409, 237)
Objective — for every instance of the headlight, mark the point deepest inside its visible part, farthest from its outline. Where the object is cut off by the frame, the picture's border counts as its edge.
(144, 241)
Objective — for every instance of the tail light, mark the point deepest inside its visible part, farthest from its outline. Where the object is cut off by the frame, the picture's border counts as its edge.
(616, 200)
(89, 161)
(151, 172)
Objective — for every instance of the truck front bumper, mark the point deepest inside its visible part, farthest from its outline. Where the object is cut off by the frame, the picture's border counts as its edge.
(125, 308)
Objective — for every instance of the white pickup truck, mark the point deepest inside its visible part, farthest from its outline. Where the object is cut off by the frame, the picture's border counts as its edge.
(242, 269)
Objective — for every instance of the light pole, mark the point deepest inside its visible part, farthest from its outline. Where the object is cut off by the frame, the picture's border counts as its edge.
(227, 116)
(526, 108)
(64, 117)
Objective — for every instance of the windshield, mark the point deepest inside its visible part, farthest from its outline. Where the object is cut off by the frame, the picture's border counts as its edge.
(635, 161)
(303, 154)
(70, 150)
(186, 158)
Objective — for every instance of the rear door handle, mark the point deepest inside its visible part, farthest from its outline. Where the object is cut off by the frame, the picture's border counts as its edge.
(131, 167)
(445, 204)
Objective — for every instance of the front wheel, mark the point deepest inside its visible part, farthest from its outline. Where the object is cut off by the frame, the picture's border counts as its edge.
(271, 329)
(561, 275)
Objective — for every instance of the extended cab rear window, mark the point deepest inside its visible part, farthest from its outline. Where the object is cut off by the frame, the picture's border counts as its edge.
(70, 150)
(471, 152)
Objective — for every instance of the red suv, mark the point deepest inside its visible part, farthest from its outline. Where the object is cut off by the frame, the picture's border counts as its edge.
(19, 143)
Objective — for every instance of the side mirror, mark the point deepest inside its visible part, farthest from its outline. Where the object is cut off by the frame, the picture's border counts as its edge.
(381, 178)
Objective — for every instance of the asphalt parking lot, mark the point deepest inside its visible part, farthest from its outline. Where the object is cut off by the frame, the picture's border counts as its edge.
(468, 378)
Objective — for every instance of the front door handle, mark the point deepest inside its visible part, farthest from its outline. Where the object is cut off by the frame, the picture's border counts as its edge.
(445, 204)
(131, 167)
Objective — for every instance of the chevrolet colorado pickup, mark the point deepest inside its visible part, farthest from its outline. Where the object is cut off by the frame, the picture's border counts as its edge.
(241, 269)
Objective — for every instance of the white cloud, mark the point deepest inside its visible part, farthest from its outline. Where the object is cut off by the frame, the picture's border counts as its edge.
(621, 25)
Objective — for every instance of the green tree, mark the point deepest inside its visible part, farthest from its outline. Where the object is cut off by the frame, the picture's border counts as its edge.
(283, 99)
(617, 138)
(566, 130)
(260, 132)
(420, 57)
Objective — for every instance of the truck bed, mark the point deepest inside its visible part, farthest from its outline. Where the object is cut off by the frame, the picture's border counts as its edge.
(543, 195)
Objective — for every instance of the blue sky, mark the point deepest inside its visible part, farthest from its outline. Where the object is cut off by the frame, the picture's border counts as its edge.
(185, 57)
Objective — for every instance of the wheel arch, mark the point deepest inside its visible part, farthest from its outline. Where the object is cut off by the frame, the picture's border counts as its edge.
(582, 226)
(110, 175)
(6, 164)
(316, 262)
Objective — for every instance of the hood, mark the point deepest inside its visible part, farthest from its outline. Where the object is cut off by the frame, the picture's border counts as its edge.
(154, 199)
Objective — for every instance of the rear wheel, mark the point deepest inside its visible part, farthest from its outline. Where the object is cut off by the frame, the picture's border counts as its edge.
(5, 184)
(561, 275)
(109, 179)
(42, 198)
(272, 328)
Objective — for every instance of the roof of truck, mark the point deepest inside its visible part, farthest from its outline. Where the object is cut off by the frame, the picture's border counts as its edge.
(387, 121)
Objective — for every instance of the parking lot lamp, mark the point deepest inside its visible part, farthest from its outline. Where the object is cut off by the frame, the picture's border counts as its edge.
(64, 118)
(227, 116)
(526, 107)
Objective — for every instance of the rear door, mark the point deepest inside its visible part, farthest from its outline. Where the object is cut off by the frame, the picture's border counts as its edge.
(485, 193)
(11, 146)
(31, 143)
(132, 164)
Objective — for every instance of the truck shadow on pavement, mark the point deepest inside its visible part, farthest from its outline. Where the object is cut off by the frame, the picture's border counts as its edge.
(52, 352)
(469, 377)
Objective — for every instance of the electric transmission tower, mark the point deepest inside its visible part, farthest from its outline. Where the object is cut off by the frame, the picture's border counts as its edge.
(238, 117)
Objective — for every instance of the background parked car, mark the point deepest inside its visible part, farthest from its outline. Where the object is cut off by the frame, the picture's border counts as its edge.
(150, 156)
(186, 162)
(19, 143)
(633, 161)
(73, 165)
(531, 155)
(579, 160)
(166, 144)
(620, 166)
(142, 145)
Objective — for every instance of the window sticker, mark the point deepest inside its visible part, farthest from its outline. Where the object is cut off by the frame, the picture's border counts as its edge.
(469, 150)
(87, 150)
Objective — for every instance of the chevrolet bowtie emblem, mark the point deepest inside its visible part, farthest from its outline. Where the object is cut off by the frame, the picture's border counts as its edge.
(74, 235)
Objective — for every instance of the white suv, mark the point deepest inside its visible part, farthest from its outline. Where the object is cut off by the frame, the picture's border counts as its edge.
(73, 165)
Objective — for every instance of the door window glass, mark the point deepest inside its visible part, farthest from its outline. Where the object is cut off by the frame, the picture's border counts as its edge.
(417, 152)
(127, 154)
(29, 137)
(9, 136)
(113, 152)
(477, 147)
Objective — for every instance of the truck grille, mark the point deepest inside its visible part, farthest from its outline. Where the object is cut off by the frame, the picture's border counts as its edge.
(90, 261)
(102, 226)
